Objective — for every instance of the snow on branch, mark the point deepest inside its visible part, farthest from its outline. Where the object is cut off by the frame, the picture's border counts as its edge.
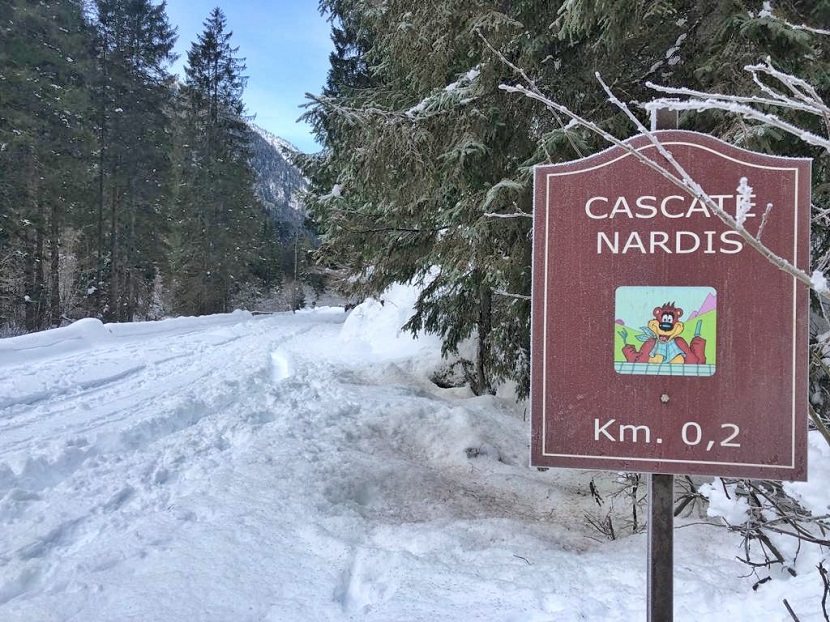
(457, 89)
(806, 28)
(351, 114)
(499, 189)
(744, 191)
(501, 292)
(513, 215)
(820, 283)
(798, 95)
(767, 11)
(674, 172)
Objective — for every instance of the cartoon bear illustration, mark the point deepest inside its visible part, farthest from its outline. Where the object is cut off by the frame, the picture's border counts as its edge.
(662, 342)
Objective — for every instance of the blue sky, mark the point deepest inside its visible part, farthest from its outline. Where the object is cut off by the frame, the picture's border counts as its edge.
(285, 44)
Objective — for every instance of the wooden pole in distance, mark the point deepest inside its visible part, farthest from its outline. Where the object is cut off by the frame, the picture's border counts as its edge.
(661, 496)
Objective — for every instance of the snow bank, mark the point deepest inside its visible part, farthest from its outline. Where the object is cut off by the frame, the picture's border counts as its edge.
(813, 493)
(87, 332)
(57, 341)
(374, 327)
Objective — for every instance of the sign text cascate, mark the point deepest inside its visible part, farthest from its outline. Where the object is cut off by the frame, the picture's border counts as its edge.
(654, 241)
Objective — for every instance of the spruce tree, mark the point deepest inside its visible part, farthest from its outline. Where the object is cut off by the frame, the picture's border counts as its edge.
(133, 104)
(420, 161)
(218, 216)
(426, 159)
(44, 146)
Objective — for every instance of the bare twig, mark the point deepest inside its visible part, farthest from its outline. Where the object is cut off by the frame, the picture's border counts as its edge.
(824, 579)
(527, 79)
(803, 97)
(790, 610)
(674, 172)
(764, 219)
(685, 181)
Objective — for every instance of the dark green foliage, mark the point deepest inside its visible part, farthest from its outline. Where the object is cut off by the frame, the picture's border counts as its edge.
(44, 146)
(217, 215)
(99, 196)
(423, 150)
(133, 45)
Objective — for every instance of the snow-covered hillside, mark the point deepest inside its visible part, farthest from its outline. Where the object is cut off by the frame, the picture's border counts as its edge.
(301, 467)
(285, 148)
(279, 183)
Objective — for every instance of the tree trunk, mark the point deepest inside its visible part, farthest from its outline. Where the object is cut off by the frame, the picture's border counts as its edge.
(485, 325)
(54, 267)
(102, 137)
(130, 281)
(39, 286)
(114, 285)
(29, 320)
(34, 266)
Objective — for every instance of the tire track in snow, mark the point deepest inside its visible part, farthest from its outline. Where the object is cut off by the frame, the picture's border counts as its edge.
(90, 405)
(84, 386)
(128, 417)
(147, 430)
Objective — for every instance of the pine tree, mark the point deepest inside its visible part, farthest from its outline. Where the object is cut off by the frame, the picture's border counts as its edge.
(44, 141)
(426, 158)
(133, 104)
(218, 215)
(420, 159)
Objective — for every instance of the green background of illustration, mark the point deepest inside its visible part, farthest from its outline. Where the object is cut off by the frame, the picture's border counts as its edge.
(634, 307)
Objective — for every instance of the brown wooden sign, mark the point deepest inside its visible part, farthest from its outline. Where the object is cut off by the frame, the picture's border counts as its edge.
(662, 342)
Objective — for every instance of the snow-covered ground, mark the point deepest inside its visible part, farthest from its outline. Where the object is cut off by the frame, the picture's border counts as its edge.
(302, 467)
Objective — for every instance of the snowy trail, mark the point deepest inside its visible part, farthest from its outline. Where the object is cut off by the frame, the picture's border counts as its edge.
(295, 468)
(93, 442)
(150, 436)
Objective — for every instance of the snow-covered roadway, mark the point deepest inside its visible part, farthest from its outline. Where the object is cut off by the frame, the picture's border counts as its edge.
(298, 467)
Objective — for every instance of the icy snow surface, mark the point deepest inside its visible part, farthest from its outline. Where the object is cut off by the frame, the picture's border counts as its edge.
(301, 467)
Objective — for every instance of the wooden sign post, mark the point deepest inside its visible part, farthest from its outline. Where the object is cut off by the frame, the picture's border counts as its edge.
(660, 573)
(661, 342)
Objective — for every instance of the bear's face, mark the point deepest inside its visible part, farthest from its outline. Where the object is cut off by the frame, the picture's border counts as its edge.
(666, 323)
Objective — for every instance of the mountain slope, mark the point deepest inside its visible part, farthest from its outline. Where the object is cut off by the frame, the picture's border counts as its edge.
(278, 182)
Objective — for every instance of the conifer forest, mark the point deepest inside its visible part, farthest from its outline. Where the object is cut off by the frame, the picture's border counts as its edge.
(430, 155)
(124, 193)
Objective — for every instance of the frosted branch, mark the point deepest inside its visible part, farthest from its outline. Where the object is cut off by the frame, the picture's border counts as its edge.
(674, 172)
(513, 215)
(685, 181)
(764, 220)
(803, 27)
(802, 97)
(510, 295)
(703, 98)
(806, 28)
(744, 191)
